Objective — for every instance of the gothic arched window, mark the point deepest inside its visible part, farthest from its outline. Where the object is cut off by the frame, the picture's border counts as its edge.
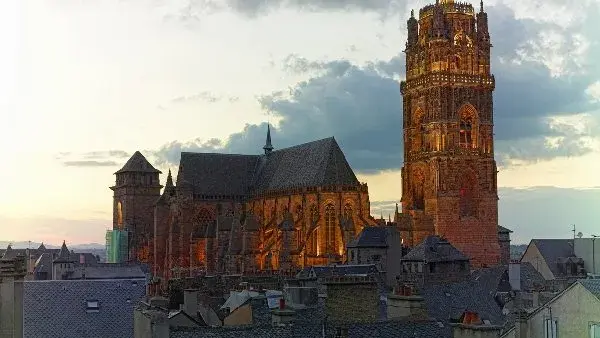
(347, 211)
(467, 196)
(330, 228)
(466, 132)
(418, 190)
(314, 213)
(119, 215)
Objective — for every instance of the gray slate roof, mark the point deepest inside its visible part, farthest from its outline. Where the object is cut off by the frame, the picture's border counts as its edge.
(593, 285)
(57, 309)
(554, 249)
(372, 237)
(531, 279)
(317, 163)
(309, 323)
(138, 163)
(435, 249)
(447, 302)
(323, 271)
(109, 271)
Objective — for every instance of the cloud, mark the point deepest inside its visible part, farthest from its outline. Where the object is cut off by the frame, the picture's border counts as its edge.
(361, 105)
(193, 9)
(108, 158)
(90, 163)
(204, 96)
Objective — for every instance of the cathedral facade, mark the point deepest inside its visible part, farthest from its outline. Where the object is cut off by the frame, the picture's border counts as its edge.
(229, 214)
(449, 185)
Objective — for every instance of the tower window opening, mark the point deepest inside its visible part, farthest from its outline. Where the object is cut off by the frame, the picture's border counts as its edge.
(466, 133)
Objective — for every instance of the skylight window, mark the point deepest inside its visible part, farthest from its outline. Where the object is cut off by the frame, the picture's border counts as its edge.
(93, 306)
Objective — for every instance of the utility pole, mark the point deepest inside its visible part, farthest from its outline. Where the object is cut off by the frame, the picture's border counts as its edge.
(573, 231)
(594, 254)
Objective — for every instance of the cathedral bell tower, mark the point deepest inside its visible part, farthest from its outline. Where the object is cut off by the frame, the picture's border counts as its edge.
(449, 173)
(136, 190)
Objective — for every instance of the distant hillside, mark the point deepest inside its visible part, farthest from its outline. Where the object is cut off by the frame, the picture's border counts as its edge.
(35, 245)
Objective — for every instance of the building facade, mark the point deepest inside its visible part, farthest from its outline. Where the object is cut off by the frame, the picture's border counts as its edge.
(449, 185)
(227, 213)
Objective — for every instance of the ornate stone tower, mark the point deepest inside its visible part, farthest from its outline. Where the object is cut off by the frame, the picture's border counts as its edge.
(449, 174)
(136, 191)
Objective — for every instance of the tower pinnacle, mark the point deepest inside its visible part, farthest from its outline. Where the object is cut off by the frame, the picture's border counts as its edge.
(268, 146)
(169, 180)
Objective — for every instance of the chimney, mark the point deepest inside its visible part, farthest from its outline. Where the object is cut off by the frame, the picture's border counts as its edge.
(299, 297)
(282, 316)
(190, 302)
(514, 275)
(535, 297)
(363, 291)
(406, 303)
(159, 302)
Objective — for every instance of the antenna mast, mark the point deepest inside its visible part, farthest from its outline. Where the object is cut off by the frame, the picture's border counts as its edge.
(573, 231)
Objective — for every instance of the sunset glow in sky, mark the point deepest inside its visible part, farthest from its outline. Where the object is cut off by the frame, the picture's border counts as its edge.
(84, 84)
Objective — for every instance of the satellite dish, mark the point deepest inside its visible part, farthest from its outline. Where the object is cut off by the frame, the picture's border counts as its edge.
(580, 234)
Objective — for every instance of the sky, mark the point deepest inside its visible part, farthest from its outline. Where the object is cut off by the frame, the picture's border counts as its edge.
(84, 84)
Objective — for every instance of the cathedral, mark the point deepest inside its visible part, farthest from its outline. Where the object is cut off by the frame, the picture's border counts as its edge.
(301, 206)
(449, 185)
(230, 213)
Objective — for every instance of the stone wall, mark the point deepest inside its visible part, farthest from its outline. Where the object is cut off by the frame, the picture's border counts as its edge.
(353, 299)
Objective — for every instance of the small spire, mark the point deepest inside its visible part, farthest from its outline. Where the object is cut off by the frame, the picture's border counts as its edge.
(412, 13)
(268, 146)
(390, 218)
(169, 179)
(481, 6)
(397, 209)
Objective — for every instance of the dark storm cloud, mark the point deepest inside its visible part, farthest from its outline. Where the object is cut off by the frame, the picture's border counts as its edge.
(361, 106)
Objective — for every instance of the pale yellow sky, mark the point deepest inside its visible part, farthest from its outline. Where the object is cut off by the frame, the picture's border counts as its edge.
(104, 75)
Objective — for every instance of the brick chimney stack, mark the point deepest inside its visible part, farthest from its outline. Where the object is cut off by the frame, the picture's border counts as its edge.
(405, 302)
(282, 316)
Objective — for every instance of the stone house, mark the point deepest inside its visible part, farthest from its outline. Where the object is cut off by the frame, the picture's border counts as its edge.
(381, 246)
(434, 261)
(555, 260)
(575, 312)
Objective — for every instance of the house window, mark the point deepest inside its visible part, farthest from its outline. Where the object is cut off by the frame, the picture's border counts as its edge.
(352, 255)
(595, 330)
(93, 306)
(376, 258)
(550, 328)
(420, 267)
(432, 267)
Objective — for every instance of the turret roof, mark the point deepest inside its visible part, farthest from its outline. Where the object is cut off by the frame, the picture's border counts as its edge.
(138, 163)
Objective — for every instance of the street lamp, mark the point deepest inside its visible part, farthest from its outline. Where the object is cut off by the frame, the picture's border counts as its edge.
(594, 253)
